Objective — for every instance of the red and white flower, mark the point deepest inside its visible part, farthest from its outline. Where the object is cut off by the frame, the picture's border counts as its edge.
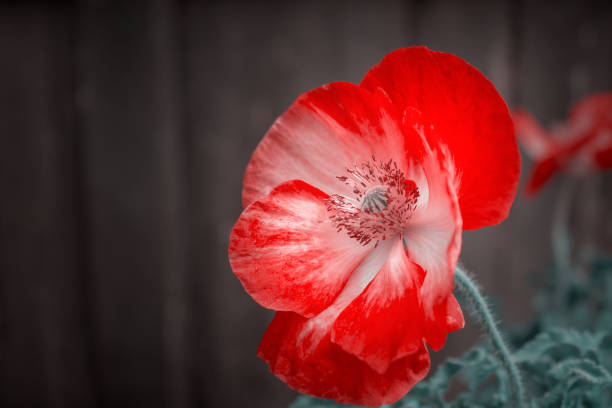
(354, 202)
(582, 144)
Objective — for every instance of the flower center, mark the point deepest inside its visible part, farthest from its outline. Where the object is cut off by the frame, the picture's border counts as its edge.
(382, 202)
(375, 200)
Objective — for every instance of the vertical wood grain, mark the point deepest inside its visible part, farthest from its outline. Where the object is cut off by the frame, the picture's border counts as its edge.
(130, 109)
(44, 338)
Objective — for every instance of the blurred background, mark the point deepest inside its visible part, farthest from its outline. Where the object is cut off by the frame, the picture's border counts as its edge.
(125, 129)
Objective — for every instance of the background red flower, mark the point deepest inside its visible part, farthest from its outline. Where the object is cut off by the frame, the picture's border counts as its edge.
(581, 144)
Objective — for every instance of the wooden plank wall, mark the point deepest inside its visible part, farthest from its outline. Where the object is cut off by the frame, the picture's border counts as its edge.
(125, 130)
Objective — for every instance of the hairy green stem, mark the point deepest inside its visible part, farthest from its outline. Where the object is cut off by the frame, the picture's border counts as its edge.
(468, 290)
(561, 243)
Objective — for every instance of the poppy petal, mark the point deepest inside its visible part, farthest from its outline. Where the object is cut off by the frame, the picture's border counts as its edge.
(592, 111)
(537, 142)
(446, 316)
(330, 372)
(287, 253)
(324, 132)
(433, 241)
(468, 116)
(542, 173)
(454, 315)
(383, 323)
(603, 158)
(592, 117)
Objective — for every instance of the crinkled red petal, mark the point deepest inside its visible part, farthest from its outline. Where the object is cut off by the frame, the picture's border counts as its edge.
(434, 242)
(324, 132)
(447, 317)
(383, 323)
(287, 253)
(330, 372)
(467, 115)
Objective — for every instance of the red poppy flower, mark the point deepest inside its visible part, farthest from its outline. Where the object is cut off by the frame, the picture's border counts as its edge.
(582, 144)
(354, 202)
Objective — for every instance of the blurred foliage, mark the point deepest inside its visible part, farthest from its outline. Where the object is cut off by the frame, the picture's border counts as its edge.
(565, 354)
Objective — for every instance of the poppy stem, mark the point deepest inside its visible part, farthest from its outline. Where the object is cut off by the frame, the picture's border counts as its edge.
(561, 242)
(468, 290)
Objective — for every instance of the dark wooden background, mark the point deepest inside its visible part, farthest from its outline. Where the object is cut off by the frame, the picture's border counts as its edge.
(125, 128)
